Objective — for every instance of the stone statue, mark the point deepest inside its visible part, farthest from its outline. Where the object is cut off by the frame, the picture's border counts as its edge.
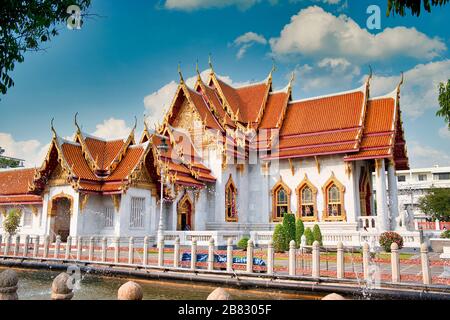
(130, 291)
(60, 287)
(8, 285)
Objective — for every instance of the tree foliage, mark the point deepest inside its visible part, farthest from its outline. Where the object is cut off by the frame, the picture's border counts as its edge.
(444, 102)
(12, 221)
(289, 226)
(436, 204)
(299, 230)
(280, 243)
(8, 163)
(317, 234)
(24, 26)
(242, 244)
(400, 6)
(309, 236)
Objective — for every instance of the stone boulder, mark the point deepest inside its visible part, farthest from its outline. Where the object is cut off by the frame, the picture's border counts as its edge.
(130, 291)
(60, 287)
(333, 296)
(219, 294)
(8, 285)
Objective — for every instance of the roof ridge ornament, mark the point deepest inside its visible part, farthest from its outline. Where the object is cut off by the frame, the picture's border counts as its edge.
(370, 73)
(76, 122)
(179, 72)
(53, 128)
(210, 63)
(401, 82)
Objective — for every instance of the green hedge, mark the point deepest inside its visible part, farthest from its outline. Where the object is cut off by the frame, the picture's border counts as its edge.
(242, 244)
(280, 243)
(317, 235)
(289, 226)
(309, 236)
(299, 230)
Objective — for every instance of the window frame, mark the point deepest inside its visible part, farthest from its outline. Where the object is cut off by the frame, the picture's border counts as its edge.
(274, 193)
(325, 189)
(132, 223)
(306, 183)
(230, 184)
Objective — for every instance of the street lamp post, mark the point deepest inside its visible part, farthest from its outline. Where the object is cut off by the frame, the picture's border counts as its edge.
(162, 147)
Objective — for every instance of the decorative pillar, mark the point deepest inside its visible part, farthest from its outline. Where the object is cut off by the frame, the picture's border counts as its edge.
(395, 263)
(104, 249)
(316, 259)
(16, 245)
(211, 254)
(366, 252)
(229, 255)
(91, 249)
(116, 249)
(270, 257)
(161, 252)
(57, 244)
(393, 193)
(292, 260)
(380, 181)
(131, 250)
(79, 248)
(145, 251)
(25, 245)
(437, 226)
(46, 244)
(176, 253)
(36, 247)
(340, 264)
(250, 256)
(426, 275)
(68, 247)
(193, 253)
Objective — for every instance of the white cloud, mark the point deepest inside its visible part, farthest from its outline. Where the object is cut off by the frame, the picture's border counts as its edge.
(158, 102)
(245, 41)
(317, 33)
(31, 151)
(112, 129)
(426, 156)
(420, 88)
(444, 132)
(190, 5)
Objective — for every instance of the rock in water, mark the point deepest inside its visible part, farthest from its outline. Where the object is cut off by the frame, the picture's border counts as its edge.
(333, 296)
(60, 287)
(219, 294)
(8, 285)
(130, 291)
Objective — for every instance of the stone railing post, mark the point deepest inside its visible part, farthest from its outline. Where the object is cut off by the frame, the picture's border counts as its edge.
(366, 253)
(131, 250)
(176, 253)
(438, 227)
(46, 245)
(26, 243)
(211, 254)
(250, 256)
(7, 244)
(270, 257)
(68, 247)
(340, 265)
(8, 285)
(316, 259)
(426, 274)
(104, 249)
(395, 263)
(230, 255)
(91, 249)
(1, 243)
(57, 245)
(17, 245)
(193, 253)
(292, 258)
(161, 246)
(79, 248)
(36, 247)
(145, 251)
(116, 249)
(416, 224)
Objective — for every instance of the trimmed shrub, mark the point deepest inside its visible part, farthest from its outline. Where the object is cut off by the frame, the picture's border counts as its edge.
(12, 221)
(317, 234)
(299, 230)
(445, 234)
(309, 236)
(242, 244)
(289, 226)
(387, 238)
(280, 243)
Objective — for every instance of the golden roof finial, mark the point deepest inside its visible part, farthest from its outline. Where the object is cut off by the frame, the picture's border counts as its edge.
(274, 68)
(76, 122)
(179, 72)
(198, 71)
(370, 73)
(53, 128)
(292, 79)
(210, 63)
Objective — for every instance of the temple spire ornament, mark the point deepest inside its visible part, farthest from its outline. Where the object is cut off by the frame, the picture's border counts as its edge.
(210, 63)
(181, 75)
(53, 128)
(76, 123)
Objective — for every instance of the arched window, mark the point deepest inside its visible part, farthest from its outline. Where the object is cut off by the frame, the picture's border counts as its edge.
(281, 195)
(334, 200)
(306, 195)
(230, 201)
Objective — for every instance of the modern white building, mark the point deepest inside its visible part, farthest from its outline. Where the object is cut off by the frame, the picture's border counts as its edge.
(237, 159)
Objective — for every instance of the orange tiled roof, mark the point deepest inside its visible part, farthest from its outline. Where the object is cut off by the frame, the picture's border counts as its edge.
(276, 102)
(14, 187)
(103, 152)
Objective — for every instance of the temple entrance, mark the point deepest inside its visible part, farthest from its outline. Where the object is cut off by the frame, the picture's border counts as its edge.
(60, 213)
(184, 214)
(365, 194)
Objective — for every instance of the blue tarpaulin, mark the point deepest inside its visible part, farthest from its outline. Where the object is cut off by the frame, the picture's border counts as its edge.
(203, 257)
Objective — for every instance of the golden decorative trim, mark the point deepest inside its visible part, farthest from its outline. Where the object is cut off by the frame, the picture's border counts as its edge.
(291, 165)
(317, 164)
(230, 184)
(180, 207)
(50, 208)
(279, 185)
(83, 201)
(306, 183)
(116, 198)
(33, 209)
(333, 180)
(348, 169)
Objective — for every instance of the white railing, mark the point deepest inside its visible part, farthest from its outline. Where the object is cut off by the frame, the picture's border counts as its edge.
(368, 222)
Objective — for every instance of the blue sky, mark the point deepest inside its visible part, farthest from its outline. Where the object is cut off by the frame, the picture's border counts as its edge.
(123, 63)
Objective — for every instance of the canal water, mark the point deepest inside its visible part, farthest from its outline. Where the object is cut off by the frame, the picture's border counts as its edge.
(36, 285)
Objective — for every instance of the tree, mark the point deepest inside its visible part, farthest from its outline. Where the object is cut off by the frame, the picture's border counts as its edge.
(317, 234)
(25, 25)
(399, 6)
(242, 244)
(309, 236)
(444, 102)
(299, 230)
(12, 221)
(280, 243)
(436, 204)
(289, 226)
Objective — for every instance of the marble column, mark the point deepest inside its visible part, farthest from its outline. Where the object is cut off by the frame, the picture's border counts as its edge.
(393, 193)
(381, 196)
